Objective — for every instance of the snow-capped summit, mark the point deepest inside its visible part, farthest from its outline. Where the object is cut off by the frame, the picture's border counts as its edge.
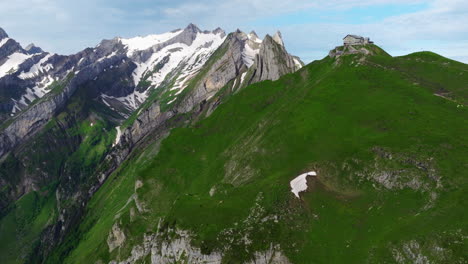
(172, 57)
(143, 43)
(122, 72)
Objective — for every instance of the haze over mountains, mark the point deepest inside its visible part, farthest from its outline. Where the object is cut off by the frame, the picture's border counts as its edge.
(202, 146)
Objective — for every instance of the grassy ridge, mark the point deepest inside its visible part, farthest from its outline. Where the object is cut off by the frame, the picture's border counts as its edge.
(230, 173)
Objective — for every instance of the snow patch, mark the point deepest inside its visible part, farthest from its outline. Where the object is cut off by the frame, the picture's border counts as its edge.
(297, 63)
(254, 38)
(106, 57)
(242, 78)
(12, 63)
(37, 68)
(171, 101)
(299, 184)
(143, 43)
(248, 55)
(3, 41)
(117, 138)
(38, 91)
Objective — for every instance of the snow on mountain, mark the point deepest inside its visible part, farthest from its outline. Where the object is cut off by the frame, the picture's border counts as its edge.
(33, 93)
(251, 48)
(37, 68)
(297, 63)
(299, 184)
(12, 63)
(169, 57)
(253, 37)
(3, 41)
(129, 68)
(144, 43)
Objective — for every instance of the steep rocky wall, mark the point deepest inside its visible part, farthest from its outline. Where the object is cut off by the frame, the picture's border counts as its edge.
(272, 62)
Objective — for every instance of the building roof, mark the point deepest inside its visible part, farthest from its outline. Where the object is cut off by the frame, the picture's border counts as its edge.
(354, 36)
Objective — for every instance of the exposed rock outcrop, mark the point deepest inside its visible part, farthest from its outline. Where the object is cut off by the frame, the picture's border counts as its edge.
(116, 237)
(273, 61)
(180, 249)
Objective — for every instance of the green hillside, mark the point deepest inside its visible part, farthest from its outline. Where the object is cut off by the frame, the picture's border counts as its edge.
(391, 161)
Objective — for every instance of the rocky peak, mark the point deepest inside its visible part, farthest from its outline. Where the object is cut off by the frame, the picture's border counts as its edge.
(253, 34)
(187, 36)
(254, 37)
(33, 49)
(273, 60)
(3, 34)
(267, 39)
(192, 28)
(278, 38)
(218, 30)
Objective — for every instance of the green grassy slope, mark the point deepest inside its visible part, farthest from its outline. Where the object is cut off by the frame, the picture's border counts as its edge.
(391, 159)
(21, 227)
(65, 153)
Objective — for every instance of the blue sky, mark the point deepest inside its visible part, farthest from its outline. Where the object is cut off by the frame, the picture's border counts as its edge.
(310, 28)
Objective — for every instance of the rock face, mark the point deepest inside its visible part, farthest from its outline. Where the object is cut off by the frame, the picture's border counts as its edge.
(270, 61)
(150, 61)
(273, 61)
(116, 237)
(180, 249)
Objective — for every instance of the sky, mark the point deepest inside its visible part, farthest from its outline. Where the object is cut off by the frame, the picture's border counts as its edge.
(310, 28)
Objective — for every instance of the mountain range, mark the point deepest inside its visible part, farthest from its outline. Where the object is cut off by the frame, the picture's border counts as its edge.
(197, 146)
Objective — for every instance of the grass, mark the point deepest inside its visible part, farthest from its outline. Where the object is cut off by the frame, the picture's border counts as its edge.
(327, 117)
(21, 227)
(67, 152)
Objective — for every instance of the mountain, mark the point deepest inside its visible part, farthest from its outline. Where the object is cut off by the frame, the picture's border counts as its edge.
(204, 147)
(387, 151)
(70, 121)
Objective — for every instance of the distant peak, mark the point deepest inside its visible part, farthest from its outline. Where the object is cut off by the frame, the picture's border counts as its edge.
(192, 28)
(218, 30)
(253, 33)
(3, 34)
(278, 38)
(33, 49)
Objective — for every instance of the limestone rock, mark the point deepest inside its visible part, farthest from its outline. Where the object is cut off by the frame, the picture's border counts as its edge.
(116, 238)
